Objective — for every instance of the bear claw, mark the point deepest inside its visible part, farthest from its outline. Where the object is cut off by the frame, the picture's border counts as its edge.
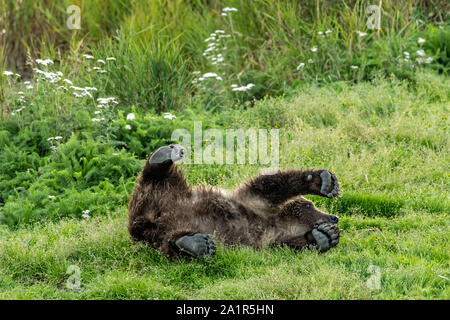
(196, 245)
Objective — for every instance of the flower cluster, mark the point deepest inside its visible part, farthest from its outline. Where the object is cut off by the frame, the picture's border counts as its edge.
(103, 103)
(227, 10)
(242, 88)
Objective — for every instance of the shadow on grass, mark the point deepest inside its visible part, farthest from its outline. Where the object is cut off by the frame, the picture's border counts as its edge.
(376, 205)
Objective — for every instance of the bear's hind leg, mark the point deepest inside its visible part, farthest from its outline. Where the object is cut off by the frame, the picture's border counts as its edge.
(284, 185)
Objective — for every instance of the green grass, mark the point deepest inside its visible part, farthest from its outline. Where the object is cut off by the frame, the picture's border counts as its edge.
(388, 144)
(159, 43)
(383, 128)
(412, 252)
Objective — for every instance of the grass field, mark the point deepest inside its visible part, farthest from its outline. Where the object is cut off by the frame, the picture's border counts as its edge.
(387, 143)
(75, 132)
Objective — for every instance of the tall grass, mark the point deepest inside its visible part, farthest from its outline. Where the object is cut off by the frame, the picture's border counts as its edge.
(269, 40)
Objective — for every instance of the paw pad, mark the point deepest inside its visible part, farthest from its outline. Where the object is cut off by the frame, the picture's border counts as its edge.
(326, 237)
(330, 184)
(174, 152)
(197, 245)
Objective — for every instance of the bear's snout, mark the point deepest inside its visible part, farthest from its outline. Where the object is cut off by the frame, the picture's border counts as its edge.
(333, 219)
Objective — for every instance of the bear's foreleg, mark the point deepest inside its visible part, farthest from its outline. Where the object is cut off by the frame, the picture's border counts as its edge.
(323, 238)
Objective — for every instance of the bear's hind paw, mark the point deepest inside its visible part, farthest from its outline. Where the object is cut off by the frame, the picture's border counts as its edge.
(330, 184)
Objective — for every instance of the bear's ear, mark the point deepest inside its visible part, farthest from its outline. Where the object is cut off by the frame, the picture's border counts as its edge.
(173, 152)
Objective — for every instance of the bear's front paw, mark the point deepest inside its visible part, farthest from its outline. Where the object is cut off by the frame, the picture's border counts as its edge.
(197, 245)
(326, 236)
(174, 152)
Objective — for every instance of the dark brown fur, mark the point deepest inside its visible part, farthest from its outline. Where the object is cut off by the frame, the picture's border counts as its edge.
(267, 210)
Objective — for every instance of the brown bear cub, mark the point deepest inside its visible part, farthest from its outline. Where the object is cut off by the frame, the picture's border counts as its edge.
(168, 215)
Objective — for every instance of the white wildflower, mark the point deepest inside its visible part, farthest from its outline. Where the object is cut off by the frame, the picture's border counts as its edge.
(87, 56)
(131, 116)
(98, 119)
(82, 94)
(210, 75)
(110, 59)
(328, 31)
(310, 61)
(53, 77)
(51, 197)
(301, 65)
(107, 100)
(86, 214)
(424, 60)
(361, 34)
(18, 110)
(228, 9)
(244, 88)
(354, 67)
(45, 62)
(8, 73)
(421, 53)
(128, 127)
(169, 116)
(314, 49)
(68, 81)
(101, 61)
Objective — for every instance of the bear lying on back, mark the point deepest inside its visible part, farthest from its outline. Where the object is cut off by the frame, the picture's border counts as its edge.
(168, 215)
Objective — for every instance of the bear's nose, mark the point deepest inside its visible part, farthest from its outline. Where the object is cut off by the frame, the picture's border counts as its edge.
(334, 219)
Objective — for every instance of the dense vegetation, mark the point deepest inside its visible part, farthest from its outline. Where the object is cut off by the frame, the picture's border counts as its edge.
(369, 105)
